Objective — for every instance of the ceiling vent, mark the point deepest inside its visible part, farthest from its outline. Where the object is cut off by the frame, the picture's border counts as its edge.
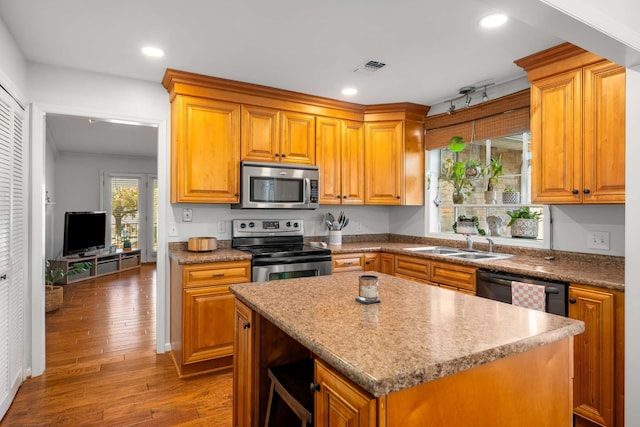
(369, 67)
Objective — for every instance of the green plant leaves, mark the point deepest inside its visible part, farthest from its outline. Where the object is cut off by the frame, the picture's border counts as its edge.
(456, 144)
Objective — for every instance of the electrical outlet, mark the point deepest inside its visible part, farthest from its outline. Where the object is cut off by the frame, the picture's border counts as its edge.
(598, 240)
(359, 226)
(173, 229)
(187, 214)
(221, 227)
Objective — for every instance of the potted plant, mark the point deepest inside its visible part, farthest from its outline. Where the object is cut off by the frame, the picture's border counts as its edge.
(466, 225)
(524, 223)
(510, 196)
(456, 173)
(52, 274)
(493, 171)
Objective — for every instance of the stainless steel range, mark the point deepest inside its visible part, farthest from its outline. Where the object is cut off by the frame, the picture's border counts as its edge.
(278, 250)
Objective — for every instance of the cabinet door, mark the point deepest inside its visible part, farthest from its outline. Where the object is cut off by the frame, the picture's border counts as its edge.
(371, 262)
(416, 269)
(205, 151)
(383, 163)
(454, 275)
(339, 403)
(556, 139)
(260, 134)
(328, 159)
(298, 138)
(593, 383)
(243, 360)
(347, 262)
(387, 264)
(353, 164)
(208, 323)
(604, 133)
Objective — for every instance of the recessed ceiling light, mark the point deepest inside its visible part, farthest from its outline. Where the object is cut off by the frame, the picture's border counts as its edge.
(349, 91)
(153, 52)
(492, 21)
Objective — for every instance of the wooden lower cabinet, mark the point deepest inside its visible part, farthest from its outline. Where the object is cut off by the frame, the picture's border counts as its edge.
(412, 268)
(202, 314)
(338, 402)
(243, 365)
(598, 394)
(358, 261)
(458, 277)
(387, 263)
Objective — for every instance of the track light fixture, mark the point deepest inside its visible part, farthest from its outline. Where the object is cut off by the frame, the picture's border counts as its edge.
(465, 93)
(452, 108)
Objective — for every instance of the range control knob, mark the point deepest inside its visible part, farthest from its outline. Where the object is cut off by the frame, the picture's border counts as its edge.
(252, 224)
(288, 223)
(295, 225)
(243, 225)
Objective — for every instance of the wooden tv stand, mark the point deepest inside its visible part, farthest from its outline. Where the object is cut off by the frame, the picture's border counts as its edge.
(103, 264)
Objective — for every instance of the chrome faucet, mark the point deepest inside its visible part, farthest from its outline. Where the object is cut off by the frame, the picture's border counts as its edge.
(469, 241)
(490, 245)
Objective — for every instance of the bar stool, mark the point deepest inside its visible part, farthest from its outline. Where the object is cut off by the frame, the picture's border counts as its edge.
(292, 383)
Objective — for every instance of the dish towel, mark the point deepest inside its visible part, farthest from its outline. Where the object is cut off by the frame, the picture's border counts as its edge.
(528, 296)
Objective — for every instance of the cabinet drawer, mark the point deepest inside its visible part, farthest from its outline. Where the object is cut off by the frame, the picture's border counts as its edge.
(371, 262)
(454, 275)
(412, 268)
(219, 273)
(347, 262)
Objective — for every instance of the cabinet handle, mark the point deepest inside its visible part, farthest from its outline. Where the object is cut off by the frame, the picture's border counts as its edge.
(347, 263)
(236, 194)
(338, 196)
(218, 275)
(344, 197)
(313, 387)
(575, 192)
(586, 191)
(398, 197)
(572, 301)
(284, 155)
(246, 325)
(277, 155)
(368, 262)
(3, 277)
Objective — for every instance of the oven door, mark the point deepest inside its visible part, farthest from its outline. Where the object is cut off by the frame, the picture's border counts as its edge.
(264, 273)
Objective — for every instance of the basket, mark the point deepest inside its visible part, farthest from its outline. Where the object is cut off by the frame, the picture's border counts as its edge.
(52, 298)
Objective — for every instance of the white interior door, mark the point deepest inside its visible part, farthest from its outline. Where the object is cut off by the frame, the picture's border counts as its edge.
(12, 249)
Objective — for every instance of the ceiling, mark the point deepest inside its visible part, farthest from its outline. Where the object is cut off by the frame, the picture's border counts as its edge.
(430, 48)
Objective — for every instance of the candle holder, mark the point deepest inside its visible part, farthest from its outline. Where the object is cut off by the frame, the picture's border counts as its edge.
(368, 289)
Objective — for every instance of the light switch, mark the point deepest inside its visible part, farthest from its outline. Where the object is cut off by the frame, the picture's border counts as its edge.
(173, 229)
(221, 227)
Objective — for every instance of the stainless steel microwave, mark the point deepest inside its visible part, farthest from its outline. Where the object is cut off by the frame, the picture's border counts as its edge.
(278, 186)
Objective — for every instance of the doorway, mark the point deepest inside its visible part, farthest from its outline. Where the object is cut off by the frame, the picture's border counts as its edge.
(44, 237)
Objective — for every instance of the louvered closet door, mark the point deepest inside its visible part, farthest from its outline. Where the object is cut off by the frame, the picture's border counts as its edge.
(12, 249)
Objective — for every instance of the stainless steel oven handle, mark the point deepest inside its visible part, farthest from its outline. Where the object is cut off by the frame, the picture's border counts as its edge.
(547, 289)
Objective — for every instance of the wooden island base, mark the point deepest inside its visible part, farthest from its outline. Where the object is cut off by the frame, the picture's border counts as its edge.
(530, 388)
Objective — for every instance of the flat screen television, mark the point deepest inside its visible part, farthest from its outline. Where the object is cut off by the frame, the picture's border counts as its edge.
(84, 232)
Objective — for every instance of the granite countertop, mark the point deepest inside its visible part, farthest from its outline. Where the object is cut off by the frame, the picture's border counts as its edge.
(416, 334)
(600, 271)
(181, 255)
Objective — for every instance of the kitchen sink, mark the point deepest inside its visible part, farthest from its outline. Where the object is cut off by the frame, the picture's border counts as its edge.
(458, 252)
(437, 250)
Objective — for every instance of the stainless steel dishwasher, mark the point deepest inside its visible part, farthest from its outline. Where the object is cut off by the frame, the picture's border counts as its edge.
(497, 286)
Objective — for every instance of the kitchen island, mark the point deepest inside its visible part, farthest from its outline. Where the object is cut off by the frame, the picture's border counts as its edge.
(422, 356)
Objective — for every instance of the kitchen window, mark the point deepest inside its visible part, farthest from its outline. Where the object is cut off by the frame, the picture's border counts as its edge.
(489, 132)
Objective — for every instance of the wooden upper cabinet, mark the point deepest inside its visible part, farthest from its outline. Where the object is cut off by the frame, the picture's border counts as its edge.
(604, 133)
(340, 157)
(205, 151)
(383, 163)
(260, 134)
(577, 127)
(298, 138)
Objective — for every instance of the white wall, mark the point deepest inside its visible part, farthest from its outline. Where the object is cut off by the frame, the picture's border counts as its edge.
(632, 265)
(572, 223)
(78, 182)
(13, 68)
(50, 214)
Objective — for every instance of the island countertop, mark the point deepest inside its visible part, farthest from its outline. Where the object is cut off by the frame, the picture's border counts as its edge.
(417, 333)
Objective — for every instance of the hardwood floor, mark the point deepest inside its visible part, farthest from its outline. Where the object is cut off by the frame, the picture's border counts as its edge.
(102, 368)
